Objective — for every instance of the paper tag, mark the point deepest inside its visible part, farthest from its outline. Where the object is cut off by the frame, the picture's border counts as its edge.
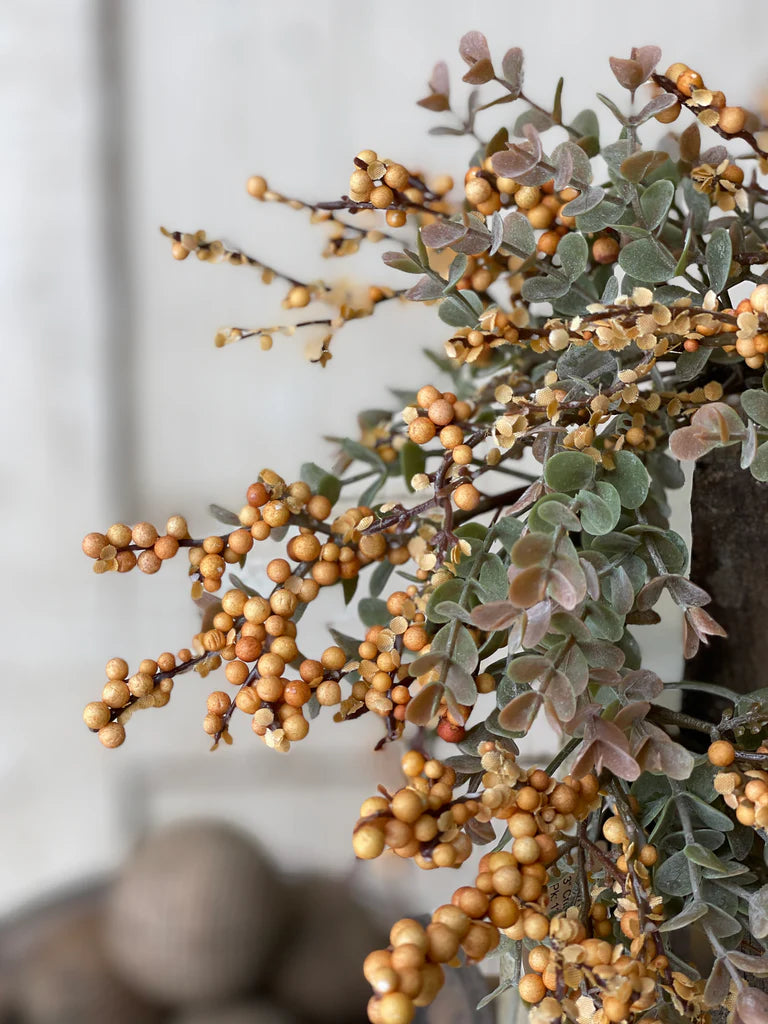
(563, 893)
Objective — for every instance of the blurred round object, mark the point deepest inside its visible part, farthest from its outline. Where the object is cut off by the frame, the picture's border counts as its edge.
(319, 973)
(65, 978)
(255, 1012)
(195, 914)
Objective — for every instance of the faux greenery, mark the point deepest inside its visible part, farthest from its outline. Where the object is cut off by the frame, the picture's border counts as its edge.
(606, 319)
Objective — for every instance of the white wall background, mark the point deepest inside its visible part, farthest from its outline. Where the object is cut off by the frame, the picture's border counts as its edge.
(121, 115)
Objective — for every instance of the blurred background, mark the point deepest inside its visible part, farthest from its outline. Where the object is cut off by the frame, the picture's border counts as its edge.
(118, 116)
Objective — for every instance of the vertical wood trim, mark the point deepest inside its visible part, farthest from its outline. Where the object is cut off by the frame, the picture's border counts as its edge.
(118, 342)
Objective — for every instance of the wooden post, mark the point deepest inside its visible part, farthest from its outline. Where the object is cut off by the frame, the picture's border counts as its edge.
(730, 560)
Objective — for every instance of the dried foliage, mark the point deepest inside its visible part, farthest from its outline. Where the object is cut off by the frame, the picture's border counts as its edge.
(604, 333)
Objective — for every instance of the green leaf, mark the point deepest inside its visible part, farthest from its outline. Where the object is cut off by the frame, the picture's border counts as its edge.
(450, 591)
(647, 261)
(574, 254)
(630, 478)
(456, 313)
(457, 269)
(759, 466)
(403, 261)
(542, 289)
(493, 578)
(755, 405)
(569, 471)
(598, 515)
(507, 530)
(698, 854)
(379, 577)
(656, 201)
(349, 587)
(223, 515)
(321, 481)
(706, 814)
(348, 644)
(690, 364)
(690, 913)
(450, 610)
(373, 612)
(673, 876)
(373, 488)
(758, 913)
(412, 461)
(457, 643)
(518, 234)
(358, 451)
(719, 253)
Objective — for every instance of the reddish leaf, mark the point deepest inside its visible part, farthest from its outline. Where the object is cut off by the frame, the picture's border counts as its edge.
(519, 714)
(647, 57)
(439, 81)
(528, 587)
(494, 615)
(473, 47)
(480, 73)
(532, 549)
(629, 73)
(423, 707)
(442, 233)
(537, 619)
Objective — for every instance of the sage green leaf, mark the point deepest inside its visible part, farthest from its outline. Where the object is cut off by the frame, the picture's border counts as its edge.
(402, 261)
(569, 471)
(706, 814)
(507, 530)
(719, 253)
(557, 514)
(518, 234)
(630, 478)
(604, 623)
(690, 913)
(454, 312)
(608, 211)
(656, 201)
(647, 261)
(450, 610)
(542, 289)
(379, 577)
(673, 876)
(755, 405)
(449, 591)
(574, 254)
(700, 855)
(493, 578)
(597, 516)
(412, 461)
(457, 643)
(373, 612)
(223, 515)
(535, 521)
(321, 481)
(759, 466)
(758, 913)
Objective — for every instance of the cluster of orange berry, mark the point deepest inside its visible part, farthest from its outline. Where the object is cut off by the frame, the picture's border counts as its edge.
(730, 120)
(621, 986)
(384, 182)
(422, 820)
(149, 687)
(383, 687)
(446, 417)
(510, 890)
(745, 792)
(122, 547)
(752, 344)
